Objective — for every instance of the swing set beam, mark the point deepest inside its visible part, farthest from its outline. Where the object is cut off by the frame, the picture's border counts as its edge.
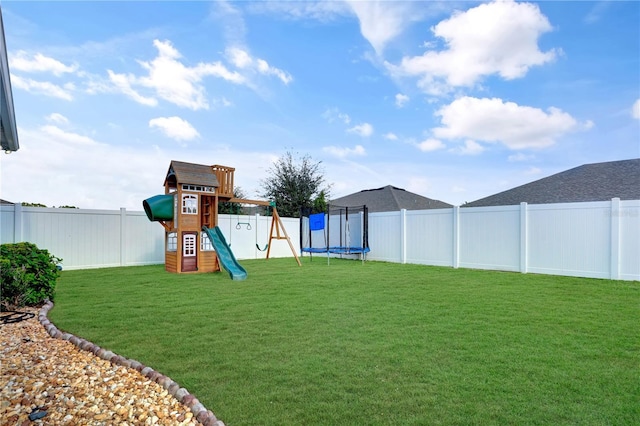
(276, 225)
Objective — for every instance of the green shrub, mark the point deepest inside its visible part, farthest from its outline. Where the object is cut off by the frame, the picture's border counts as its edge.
(28, 274)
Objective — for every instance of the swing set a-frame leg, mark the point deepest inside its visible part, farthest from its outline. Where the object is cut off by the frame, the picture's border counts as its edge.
(276, 225)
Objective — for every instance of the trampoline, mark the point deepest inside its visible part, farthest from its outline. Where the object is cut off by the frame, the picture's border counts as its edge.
(340, 231)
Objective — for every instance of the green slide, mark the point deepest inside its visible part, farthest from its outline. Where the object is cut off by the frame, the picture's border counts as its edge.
(225, 255)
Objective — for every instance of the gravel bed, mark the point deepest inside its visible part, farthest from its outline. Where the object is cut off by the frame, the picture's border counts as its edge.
(54, 378)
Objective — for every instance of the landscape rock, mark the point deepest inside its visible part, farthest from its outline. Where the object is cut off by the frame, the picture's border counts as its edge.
(41, 374)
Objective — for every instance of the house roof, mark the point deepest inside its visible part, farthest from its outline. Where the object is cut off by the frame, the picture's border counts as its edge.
(194, 174)
(8, 128)
(589, 182)
(389, 198)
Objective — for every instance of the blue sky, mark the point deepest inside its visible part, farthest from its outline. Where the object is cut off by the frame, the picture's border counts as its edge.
(452, 100)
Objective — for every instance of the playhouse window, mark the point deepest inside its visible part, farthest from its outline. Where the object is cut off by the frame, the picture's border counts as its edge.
(198, 188)
(190, 204)
(189, 245)
(172, 241)
(205, 242)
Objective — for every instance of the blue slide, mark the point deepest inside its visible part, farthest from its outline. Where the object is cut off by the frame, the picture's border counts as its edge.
(225, 255)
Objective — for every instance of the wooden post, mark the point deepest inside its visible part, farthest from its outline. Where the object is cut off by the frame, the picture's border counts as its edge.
(216, 203)
(276, 224)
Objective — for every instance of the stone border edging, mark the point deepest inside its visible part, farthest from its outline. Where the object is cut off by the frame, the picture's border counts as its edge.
(200, 412)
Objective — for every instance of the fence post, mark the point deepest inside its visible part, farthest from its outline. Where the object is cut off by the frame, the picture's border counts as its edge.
(123, 236)
(614, 270)
(524, 237)
(17, 223)
(403, 236)
(456, 236)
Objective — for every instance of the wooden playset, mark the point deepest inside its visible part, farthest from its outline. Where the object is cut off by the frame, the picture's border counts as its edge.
(188, 211)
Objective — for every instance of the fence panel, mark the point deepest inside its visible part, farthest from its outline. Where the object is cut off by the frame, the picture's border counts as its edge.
(429, 237)
(629, 259)
(384, 237)
(7, 224)
(570, 239)
(82, 238)
(143, 240)
(490, 238)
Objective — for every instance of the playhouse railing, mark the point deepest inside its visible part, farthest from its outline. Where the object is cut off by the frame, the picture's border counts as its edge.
(224, 175)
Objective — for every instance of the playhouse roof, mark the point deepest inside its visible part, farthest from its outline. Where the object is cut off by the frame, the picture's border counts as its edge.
(194, 174)
(389, 198)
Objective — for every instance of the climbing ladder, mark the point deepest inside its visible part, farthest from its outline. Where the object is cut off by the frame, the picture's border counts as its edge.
(207, 211)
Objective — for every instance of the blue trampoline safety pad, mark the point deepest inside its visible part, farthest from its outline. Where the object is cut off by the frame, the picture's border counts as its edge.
(316, 222)
(337, 250)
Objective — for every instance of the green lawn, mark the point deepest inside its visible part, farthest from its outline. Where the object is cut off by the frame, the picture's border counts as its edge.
(378, 343)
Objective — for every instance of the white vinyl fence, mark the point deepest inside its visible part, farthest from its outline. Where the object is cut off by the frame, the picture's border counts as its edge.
(596, 239)
(105, 238)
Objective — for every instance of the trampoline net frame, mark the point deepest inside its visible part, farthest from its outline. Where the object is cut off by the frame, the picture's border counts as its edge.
(345, 231)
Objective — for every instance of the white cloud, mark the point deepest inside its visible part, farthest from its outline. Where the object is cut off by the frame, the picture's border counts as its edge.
(223, 102)
(171, 80)
(243, 60)
(323, 11)
(470, 147)
(382, 21)
(520, 157)
(56, 167)
(122, 83)
(533, 171)
(265, 68)
(418, 185)
(239, 58)
(587, 125)
(57, 118)
(175, 128)
(635, 110)
(83, 172)
(339, 152)
(179, 84)
(43, 87)
(230, 19)
(39, 63)
(391, 136)
(334, 114)
(493, 120)
(401, 100)
(364, 129)
(75, 139)
(596, 12)
(430, 144)
(496, 38)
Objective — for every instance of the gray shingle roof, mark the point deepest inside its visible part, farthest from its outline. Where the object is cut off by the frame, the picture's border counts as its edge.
(194, 174)
(589, 182)
(388, 199)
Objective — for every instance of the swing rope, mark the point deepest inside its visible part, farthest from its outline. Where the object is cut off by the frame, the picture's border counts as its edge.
(266, 246)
